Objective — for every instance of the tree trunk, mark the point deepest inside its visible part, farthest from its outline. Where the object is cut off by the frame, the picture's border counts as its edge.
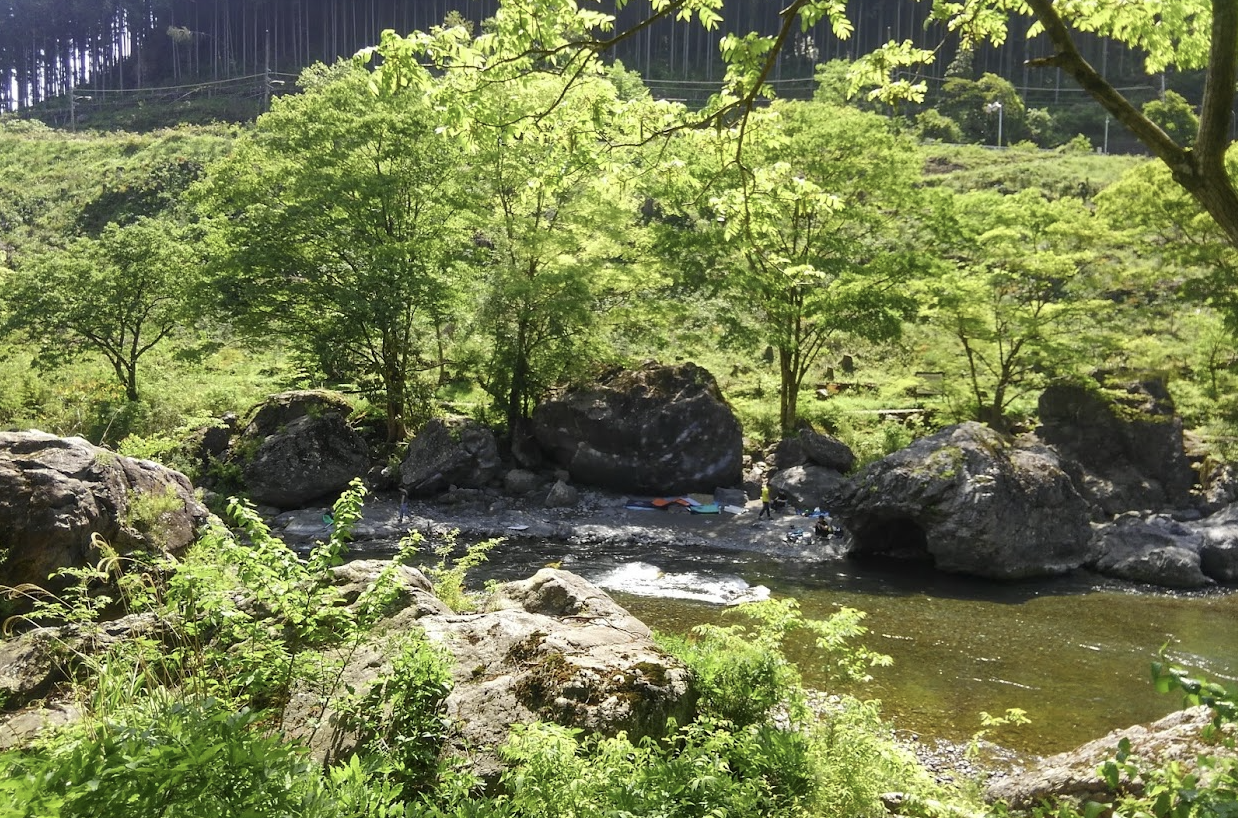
(131, 381)
(520, 379)
(786, 389)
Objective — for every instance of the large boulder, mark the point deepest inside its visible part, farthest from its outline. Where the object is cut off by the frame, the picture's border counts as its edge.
(808, 486)
(971, 503)
(1157, 550)
(553, 648)
(56, 493)
(448, 452)
(1126, 444)
(276, 412)
(1218, 547)
(298, 447)
(653, 430)
(826, 450)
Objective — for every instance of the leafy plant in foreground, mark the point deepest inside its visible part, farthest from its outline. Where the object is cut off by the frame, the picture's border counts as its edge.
(188, 758)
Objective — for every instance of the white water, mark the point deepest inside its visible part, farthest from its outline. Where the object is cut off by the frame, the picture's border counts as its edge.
(645, 579)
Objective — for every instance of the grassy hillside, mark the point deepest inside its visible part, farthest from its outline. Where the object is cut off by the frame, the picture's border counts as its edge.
(55, 184)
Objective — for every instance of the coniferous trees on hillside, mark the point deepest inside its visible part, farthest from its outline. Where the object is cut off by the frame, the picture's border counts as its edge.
(49, 46)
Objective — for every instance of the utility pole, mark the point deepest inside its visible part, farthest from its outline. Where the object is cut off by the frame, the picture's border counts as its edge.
(266, 75)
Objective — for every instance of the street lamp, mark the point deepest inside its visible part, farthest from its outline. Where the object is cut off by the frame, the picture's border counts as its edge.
(996, 106)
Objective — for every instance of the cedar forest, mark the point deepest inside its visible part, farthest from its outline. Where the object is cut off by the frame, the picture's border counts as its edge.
(932, 229)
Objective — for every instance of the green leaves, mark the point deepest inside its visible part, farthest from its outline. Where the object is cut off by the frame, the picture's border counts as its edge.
(336, 224)
(118, 296)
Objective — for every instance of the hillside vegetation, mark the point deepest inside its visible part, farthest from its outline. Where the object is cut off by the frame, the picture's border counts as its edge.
(1059, 241)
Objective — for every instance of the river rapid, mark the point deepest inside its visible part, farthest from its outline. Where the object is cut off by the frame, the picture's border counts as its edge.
(1074, 653)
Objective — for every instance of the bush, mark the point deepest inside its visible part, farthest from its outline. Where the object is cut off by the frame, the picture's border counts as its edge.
(932, 124)
(187, 758)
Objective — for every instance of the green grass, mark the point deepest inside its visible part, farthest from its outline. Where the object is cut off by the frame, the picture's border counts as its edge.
(84, 398)
(1059, 171)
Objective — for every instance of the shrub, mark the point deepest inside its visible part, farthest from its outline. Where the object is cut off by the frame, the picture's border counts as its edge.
(932, 124)
(195, 757)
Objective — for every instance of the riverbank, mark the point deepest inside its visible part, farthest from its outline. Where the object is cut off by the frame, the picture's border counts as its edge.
(597, 518)
(961, 646)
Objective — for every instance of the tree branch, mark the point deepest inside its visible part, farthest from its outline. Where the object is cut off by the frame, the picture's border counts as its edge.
(1070, 60)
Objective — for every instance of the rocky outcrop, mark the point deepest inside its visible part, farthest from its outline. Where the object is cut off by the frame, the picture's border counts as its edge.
(653, 430)
(450, 452)
(298, 447)
(1218, 546)
(275, 413)
(561, 495)
(971, 503)
(827, 451)
(553, 648)
(1075, 774)
(1157, 550)
(1123, 446)
(33, 662)
(521, 481)
(808, 486)
(1218, 485)
(55, 493)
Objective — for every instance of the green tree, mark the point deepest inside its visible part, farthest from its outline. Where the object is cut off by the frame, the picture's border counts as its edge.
(1154, 214)
(973, 105)
(805, 243)
(1187, 34)
(335, 224)
(119, 295)
(1174, 115)
(1022, 303)
(553, 225)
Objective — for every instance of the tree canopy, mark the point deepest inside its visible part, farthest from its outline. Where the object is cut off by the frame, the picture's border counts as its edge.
(335, 225)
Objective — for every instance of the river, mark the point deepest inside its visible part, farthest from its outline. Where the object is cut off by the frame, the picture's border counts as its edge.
(1074, 653)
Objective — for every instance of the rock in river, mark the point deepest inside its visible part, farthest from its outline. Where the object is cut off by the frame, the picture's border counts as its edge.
(971, 503)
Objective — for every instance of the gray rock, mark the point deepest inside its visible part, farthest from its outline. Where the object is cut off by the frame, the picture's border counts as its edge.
(1157, 550)
(55, 493)
(787, 453)
(730, 497)
(562, 495)
(450, 452)
(971, 503)
(553, 648)
(1219, 486)
(276, 412)
(827, 451)
(654, 430)
(1218, 550)
(211, 443)
(1075, 774)
(809, 486)
(311, 457)
(521, 481)
(34, 662)
(1123, 446)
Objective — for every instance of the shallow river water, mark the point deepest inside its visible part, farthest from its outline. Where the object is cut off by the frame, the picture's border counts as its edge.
(1074, 653)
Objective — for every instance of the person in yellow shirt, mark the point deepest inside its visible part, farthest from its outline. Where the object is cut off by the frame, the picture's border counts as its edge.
(765, 508)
